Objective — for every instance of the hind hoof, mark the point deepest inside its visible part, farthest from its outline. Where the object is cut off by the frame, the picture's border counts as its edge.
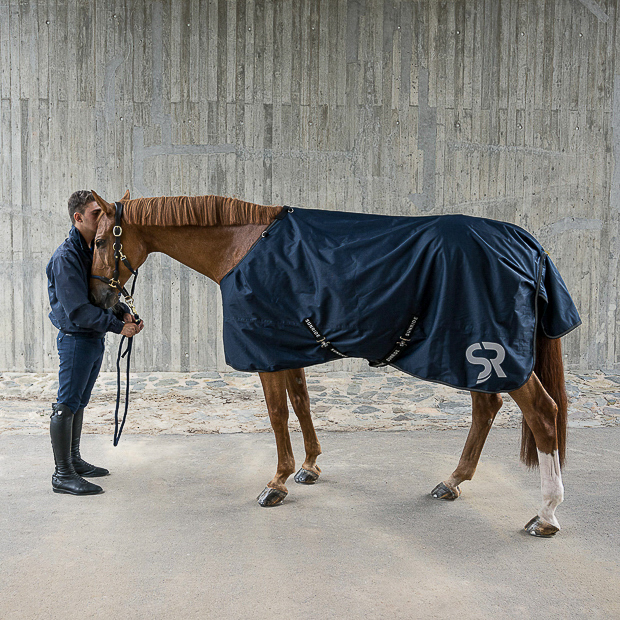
(305, 476)
(271, 497)
(540, 528)
(441, 491)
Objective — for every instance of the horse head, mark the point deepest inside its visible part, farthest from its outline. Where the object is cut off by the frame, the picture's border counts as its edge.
(118, 251)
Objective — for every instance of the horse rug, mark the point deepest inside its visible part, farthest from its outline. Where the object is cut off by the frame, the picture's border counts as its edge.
(453, 299)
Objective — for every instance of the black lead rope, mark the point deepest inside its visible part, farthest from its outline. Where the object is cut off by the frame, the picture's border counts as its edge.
(118, 431)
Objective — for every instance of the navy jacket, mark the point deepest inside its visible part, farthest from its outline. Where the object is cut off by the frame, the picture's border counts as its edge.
(472, 293)
(68, 275)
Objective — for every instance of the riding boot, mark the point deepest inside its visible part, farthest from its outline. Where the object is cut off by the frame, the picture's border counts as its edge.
(65, 479)
(79, 464)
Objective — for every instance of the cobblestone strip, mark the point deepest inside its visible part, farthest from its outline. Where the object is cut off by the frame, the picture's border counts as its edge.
(232, 402)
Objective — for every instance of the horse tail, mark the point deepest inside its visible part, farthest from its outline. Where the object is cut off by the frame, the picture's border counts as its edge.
(550, 370)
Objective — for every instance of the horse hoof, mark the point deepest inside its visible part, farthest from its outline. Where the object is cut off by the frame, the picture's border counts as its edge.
(540, 528)
(441, 491)
(305, 476)
(271, 497)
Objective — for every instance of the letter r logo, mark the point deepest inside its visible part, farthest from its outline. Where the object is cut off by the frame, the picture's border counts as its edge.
(488, 365)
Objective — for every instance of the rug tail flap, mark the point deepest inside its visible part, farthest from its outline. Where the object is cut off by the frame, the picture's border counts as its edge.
(556, 311)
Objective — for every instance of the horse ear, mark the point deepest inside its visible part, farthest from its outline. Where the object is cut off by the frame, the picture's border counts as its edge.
(105, 207)
(125, 198)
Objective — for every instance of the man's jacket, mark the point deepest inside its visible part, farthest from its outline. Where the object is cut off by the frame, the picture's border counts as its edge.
(68, 275)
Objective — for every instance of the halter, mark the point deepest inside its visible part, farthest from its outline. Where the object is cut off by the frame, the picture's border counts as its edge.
(114, 282)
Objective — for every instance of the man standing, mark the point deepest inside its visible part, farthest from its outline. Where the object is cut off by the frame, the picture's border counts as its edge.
(81, 343)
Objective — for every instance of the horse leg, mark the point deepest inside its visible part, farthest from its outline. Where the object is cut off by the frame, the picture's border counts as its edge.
(274, 388)
(298, 395)
(540, 413)
(484, 410)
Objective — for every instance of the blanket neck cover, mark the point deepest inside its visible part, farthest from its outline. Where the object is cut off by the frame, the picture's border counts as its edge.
(469, 293)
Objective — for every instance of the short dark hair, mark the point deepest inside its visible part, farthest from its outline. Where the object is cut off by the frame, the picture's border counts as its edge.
(78, 201)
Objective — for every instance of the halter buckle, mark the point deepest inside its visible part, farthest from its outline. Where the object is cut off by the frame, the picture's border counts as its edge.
(119, 233)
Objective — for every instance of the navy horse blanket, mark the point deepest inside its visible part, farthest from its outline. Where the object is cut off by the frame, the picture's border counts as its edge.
(453, 299)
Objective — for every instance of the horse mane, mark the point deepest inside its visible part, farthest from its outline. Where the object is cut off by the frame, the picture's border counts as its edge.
(196, 211)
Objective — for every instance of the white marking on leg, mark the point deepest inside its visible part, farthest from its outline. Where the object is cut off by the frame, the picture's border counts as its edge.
(550, 485)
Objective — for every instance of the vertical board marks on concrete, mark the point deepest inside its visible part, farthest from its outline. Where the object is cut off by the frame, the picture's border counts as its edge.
(504, 109)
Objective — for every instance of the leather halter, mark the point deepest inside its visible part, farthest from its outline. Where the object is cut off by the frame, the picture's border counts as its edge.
(114, 282)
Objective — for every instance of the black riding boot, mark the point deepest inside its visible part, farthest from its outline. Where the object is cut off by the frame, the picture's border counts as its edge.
(79, 464)
(65, 479)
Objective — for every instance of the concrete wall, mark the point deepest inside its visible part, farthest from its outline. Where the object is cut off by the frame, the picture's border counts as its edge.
(497, 108)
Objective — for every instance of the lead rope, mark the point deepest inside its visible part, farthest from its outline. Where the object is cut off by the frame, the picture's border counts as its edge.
(117, 431)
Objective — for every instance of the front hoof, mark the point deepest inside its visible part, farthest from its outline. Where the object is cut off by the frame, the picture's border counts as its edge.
(441, 491)
(271, 497)
(540, 528)
(305, 476)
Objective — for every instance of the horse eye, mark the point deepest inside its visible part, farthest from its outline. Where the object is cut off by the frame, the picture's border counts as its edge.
(100, 243)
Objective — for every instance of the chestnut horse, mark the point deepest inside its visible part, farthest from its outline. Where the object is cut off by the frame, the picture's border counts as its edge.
(213, 236)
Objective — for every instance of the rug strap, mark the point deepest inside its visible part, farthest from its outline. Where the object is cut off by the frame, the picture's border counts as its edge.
(321, 340)
(401, 344)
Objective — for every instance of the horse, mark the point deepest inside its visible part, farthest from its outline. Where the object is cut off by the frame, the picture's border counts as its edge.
(218, 236)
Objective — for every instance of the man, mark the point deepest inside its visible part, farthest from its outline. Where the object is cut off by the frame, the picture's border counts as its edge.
(81, 342)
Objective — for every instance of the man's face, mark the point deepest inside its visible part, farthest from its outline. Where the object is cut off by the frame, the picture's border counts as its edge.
(87, 222)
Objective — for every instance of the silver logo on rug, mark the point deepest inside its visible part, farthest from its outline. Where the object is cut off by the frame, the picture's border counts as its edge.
(489, 365)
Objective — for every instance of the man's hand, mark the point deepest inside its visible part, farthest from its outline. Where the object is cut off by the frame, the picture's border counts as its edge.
(131, 328)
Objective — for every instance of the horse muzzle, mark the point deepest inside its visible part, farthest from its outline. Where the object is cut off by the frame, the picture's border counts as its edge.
(103, 296)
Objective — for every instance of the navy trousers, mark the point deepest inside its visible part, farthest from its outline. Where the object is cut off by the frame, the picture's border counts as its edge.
(80, 362)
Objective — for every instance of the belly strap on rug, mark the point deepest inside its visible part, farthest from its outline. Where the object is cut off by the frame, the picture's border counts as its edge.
(401, 344)
(321, 340)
